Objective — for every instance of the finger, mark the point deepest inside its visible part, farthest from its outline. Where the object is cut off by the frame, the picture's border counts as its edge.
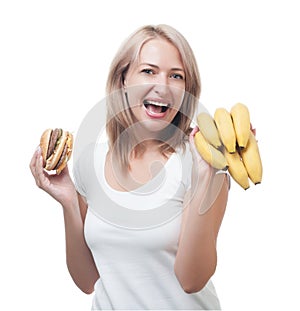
(195, 153)
(192, 136)
(41, 177)
(194, 131)
(33, 161)
(253, 130)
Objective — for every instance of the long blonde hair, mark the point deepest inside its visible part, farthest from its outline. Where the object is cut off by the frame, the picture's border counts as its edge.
(119, 116)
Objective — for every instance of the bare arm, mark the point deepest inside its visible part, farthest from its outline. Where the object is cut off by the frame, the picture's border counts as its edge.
(196, 258)
(79, 258)
(80, 261)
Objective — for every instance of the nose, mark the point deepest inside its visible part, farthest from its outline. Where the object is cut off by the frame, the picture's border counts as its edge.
(161, 87)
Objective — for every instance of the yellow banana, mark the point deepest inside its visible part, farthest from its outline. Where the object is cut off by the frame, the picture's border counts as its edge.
(241, 122)
(252, 160)
(209, 153)
(226, 130)
(237, 169)
(208, 128)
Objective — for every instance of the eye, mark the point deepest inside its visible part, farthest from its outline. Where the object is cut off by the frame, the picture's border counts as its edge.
(148, 71)
(177, 76)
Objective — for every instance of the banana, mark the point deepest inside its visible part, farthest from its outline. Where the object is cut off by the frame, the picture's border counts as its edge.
(241, 122)
(209, 153)
(208, 128)
(237, 169)
(226, 130)
(252, 160)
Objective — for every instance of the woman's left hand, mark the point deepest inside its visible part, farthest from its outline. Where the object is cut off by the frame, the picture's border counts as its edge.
(206, 181)
(199, 164)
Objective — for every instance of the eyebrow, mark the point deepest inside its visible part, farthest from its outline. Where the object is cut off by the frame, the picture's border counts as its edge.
(155, 66)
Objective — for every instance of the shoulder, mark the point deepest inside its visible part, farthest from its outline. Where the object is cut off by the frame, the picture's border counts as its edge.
(84, 161)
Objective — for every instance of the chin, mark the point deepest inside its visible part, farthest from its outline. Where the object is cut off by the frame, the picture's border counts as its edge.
(155, 126)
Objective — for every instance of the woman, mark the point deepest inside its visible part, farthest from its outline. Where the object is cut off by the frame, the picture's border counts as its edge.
(142, 222)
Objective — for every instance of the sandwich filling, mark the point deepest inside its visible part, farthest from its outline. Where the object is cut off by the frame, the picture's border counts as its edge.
(54, 141)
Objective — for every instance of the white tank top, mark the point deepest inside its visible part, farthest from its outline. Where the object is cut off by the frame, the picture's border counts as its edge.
(133, 237)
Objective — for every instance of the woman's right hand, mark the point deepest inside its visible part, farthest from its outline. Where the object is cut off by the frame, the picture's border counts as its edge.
(60, 187)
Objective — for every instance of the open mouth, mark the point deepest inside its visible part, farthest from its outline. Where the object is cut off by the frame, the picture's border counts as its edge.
(154, 107)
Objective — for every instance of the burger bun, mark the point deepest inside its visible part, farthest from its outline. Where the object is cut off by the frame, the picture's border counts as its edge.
(56, 148)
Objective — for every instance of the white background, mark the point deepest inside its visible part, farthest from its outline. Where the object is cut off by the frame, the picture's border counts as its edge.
(54, 62)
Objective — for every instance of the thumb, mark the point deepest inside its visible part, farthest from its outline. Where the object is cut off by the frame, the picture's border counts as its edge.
(191, 139)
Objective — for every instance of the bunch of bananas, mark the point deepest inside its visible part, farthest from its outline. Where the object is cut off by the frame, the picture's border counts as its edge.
(226, 141)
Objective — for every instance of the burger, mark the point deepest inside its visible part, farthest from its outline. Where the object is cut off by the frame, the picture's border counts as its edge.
(56, 147)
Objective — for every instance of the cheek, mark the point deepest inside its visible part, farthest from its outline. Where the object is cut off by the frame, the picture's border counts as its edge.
(134, 98)
(172, 114)
(136, 94)
(178, 95)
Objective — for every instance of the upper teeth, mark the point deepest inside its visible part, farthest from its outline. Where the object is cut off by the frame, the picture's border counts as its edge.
(151, 102)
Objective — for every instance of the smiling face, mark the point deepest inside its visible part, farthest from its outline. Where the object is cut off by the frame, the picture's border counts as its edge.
(155, 85)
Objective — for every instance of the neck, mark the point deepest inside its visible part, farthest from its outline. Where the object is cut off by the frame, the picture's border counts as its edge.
(146, 147)
(150, 144)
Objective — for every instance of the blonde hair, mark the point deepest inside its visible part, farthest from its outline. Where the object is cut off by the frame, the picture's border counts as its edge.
(119, 116)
